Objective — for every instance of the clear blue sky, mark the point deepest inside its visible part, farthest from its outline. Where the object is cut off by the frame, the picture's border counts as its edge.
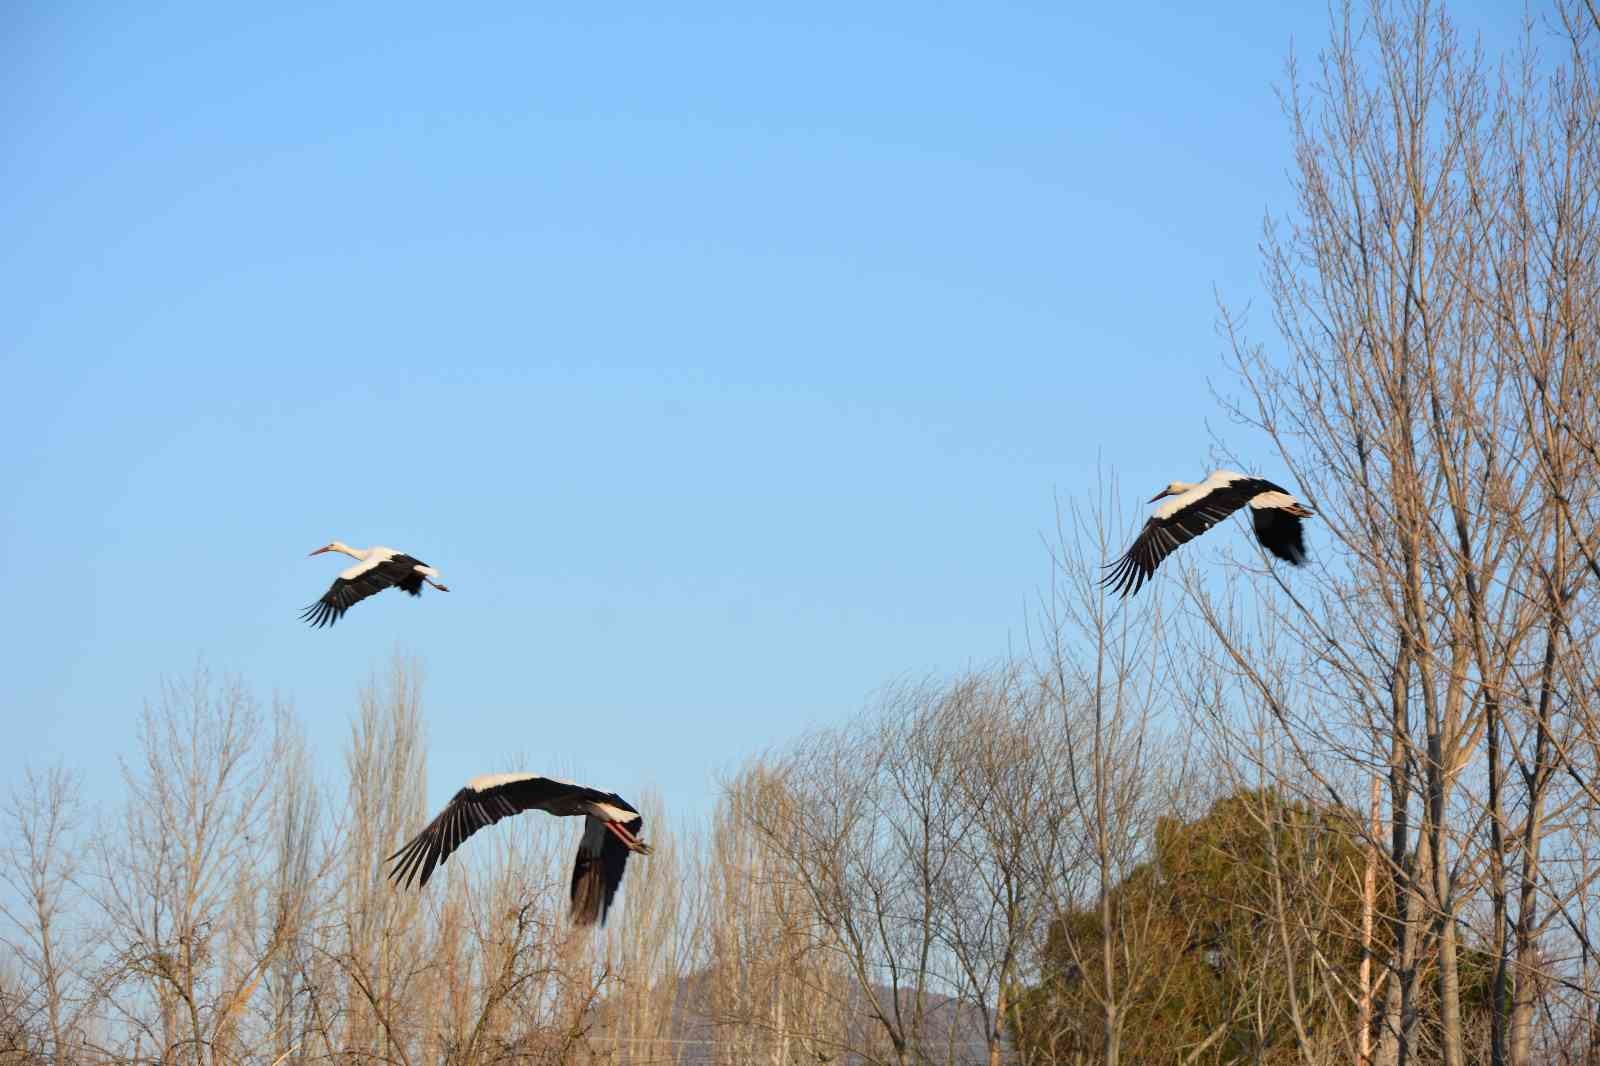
(725, 362)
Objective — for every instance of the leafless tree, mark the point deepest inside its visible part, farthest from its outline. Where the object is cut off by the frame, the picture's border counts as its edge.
(298, 898)
(379, 947)
(180, 879)
(653, 945)
(51, 991)
(1434, 292)
(1012, 842)
(1100, 670)
(821, 817)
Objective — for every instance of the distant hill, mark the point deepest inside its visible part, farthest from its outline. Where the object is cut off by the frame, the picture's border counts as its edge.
(952, 1032)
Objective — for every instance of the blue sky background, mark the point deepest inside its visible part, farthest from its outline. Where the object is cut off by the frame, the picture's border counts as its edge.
(725, 362)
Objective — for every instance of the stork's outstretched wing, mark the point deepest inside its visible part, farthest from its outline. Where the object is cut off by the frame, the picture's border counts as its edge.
(360, 581)
(1176, 523)
(484, 802)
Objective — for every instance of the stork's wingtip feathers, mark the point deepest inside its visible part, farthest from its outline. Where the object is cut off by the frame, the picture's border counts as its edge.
(317, 615)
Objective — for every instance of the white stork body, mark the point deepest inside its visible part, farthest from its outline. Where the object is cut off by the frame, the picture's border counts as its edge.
(611, 830)
(376, 569)
(1193, 509)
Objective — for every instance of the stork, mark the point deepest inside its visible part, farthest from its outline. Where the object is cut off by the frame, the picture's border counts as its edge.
(610, 831)
(376, 569)
(1195, 508)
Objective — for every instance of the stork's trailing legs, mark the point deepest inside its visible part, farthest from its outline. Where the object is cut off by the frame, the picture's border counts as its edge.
(633, 843)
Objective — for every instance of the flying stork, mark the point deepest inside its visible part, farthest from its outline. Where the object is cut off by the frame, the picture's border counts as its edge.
(610, 831)
(1196, 508)
(376, 569)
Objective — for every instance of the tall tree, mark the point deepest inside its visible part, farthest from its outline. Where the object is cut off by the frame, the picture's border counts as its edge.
(1433, 293)
(182, 879)
(41, 868)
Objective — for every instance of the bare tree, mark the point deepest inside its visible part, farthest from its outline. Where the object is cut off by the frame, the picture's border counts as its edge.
(1012, 842)
(652, 946)
(379, 949)
(179, 878)
(1101, 675)
(1433, 292)
(52, 989)
(824, 822)
(910, 864)
(774, 989)
(298, 896)
(862, 822)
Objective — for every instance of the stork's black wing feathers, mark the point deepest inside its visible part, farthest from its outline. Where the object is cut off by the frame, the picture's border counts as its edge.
(405, 573)
(1163, 536)
(469, 810)
(596, 877)
(465, 814)
(1281, 533)
(344, 594)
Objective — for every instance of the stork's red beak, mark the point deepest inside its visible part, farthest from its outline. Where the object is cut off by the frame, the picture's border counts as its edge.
(1159, 495)
(319, 551)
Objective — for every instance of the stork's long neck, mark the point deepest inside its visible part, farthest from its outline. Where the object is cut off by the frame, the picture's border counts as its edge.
(359, 554)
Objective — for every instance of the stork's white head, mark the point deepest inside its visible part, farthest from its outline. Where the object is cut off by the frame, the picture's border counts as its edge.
(1172, 489)
(333, 546)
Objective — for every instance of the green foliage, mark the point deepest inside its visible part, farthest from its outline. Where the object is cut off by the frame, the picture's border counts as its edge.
(1239, 914)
